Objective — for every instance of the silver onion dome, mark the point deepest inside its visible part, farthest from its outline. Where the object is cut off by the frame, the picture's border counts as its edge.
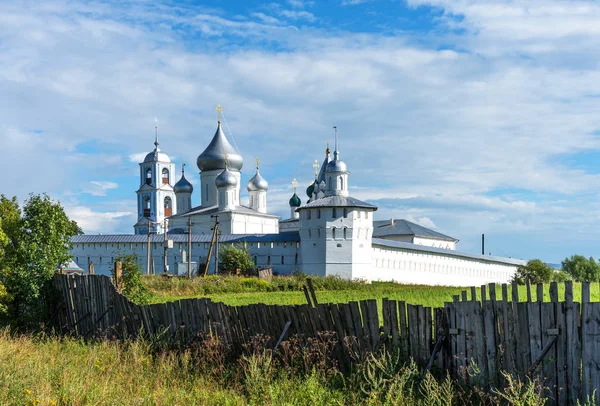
(225, 179)
(337, 165)
(218, 151)
(257, 183)
(157, 156)
(183, 185)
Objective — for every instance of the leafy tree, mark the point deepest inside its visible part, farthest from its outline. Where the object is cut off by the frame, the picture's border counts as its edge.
(536, 271)
(581, 268)
(561, 276)
(133, 287)
(232, 258)
(38, 241)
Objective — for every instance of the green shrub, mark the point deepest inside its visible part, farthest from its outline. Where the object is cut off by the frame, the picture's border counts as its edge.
(233, 258)
(582, 269)
(133, 287)
(561, 276)
(535, 272)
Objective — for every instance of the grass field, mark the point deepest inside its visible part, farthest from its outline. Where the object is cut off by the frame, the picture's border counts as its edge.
(53, 371)
(238, 291)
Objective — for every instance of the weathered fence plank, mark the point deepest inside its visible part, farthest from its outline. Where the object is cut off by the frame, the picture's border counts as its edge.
(557, 341)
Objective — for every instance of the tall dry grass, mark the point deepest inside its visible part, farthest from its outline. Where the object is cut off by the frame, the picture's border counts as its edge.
(39, 371)
(54, 371)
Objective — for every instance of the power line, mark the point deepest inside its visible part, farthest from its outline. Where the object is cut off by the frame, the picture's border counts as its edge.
(230, 133)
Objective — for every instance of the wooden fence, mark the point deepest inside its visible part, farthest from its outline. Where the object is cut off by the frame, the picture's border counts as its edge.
(557, 342)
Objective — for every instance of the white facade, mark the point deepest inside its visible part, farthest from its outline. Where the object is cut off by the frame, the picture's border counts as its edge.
(273, 251)
(331, 234)
(411, 264)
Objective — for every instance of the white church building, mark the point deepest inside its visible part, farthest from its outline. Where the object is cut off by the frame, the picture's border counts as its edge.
(331, 233)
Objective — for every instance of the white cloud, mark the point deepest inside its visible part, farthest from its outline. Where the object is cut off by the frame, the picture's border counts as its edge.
(301, 3)
(443, 126)
(423, 221)
(265, 18)
(99, 188)
(137, 157)
(353, 2)
(94, 222)
(298, 15)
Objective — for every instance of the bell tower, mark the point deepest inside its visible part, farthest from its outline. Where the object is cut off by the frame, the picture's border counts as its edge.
(156, 198)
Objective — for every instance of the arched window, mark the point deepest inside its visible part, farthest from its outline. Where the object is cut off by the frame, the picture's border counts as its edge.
(165, 176)
(334, 212)
(318, 213)
(269, 260)
(345, 213)
(147, 206)
(309, 234)
(341, 183)
(296, 259)
(345, 233)
(251, 200)
(148, 176)
(255, 260)
(168, 206)
(333, 232)
(308, 214)
(330, 184)
(282, 260)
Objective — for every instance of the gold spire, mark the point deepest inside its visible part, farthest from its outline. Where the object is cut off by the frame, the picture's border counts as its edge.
(316, 166)
(226, 160)
(219, 112)
(294, 184)
(257, 162)
(182, 166)
(327, 150)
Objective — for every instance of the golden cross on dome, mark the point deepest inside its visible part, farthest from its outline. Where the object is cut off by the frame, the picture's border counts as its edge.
(219, 111)
(257, 162)
(294, 184)
(327, 150)
(182, 166)
(226, 159)
(316, 166)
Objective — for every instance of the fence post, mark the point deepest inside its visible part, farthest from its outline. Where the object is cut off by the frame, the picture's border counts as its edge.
(119, 276)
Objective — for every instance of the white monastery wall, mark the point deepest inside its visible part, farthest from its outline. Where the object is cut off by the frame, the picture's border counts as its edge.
(281, 256)
(434, 268)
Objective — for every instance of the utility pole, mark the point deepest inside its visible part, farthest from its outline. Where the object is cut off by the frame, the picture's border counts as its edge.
(148, 258)
(189, 255)
(210, 248)
(217, 232)
(482, 244)
(217, 253)
(165, 248)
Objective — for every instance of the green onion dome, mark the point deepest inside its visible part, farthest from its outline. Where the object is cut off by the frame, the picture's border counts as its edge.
(295, 201)
(310, 190)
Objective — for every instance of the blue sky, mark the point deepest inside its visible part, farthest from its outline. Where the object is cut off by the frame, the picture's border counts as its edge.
(467, 117)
